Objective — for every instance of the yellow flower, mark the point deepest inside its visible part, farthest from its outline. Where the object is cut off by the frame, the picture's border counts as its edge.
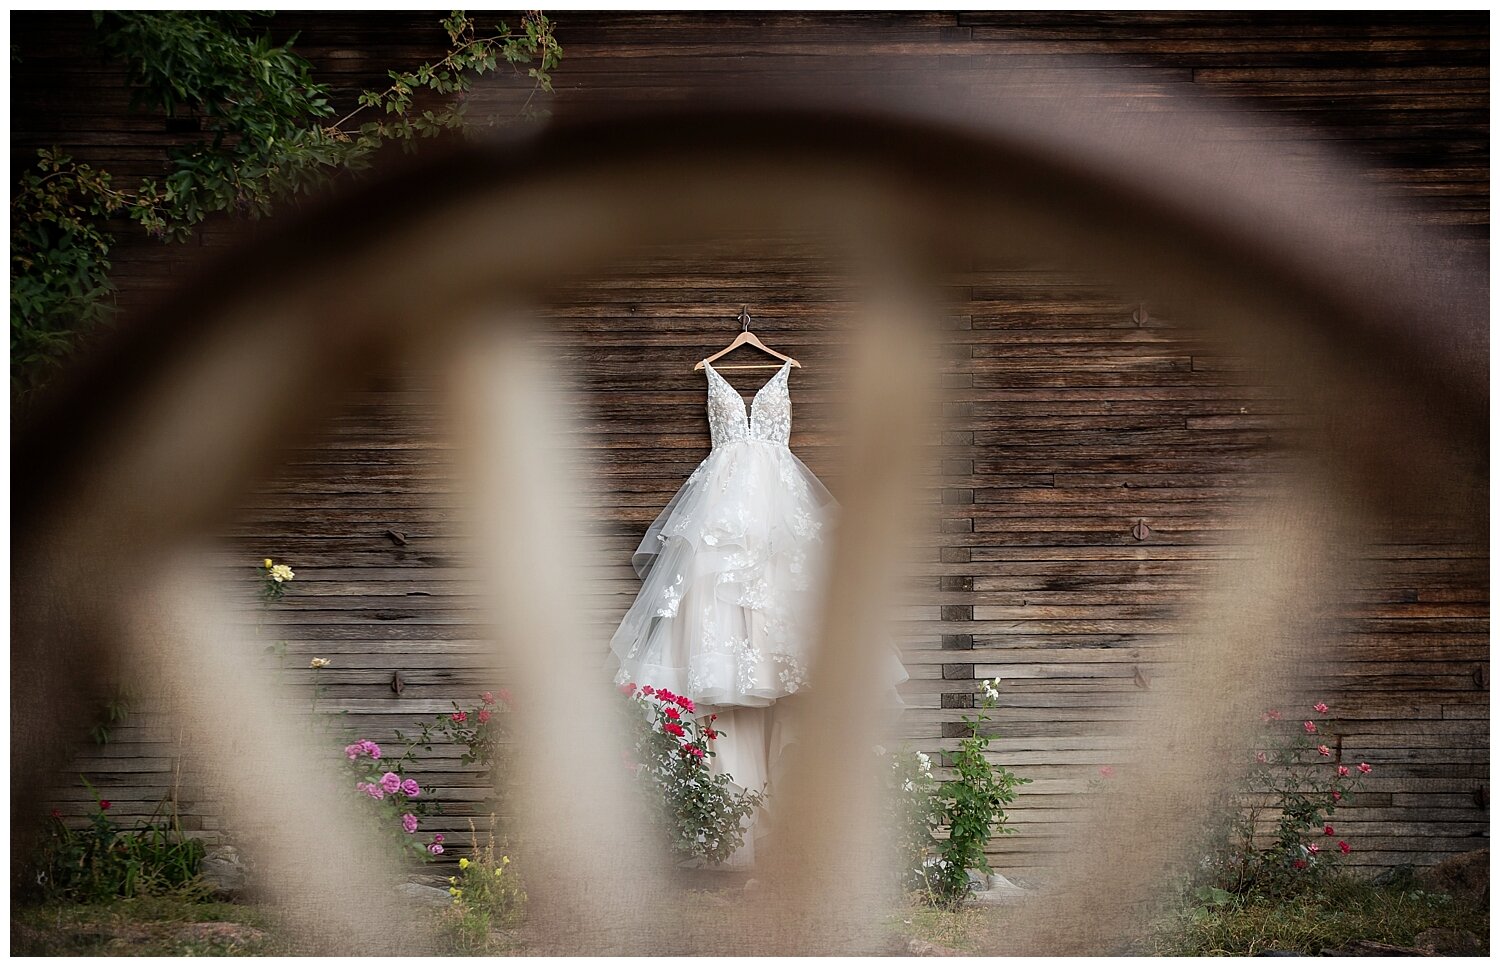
(321, 662)
(505, 859)
(453, 891)
(281, 573)
(268, 564)
(463, 863)
(453, 879)
(499, 871)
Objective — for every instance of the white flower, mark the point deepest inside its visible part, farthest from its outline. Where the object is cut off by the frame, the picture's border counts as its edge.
(907, 786)
(322, 662)
(281, 572)
(991, 689)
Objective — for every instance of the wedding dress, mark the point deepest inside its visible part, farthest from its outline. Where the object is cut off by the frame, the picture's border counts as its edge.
(731, 572)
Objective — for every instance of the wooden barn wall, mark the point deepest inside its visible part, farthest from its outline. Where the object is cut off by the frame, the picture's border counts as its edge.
(1069, 422)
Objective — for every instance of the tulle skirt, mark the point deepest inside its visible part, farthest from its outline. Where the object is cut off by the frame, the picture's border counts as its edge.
(730, 575)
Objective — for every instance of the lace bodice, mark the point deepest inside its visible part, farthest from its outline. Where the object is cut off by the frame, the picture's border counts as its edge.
(769, 419)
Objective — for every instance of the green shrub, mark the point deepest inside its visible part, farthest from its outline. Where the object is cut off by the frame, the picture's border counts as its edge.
(101, 861)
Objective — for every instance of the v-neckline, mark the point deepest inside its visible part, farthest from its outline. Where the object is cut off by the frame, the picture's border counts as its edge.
(750, 406)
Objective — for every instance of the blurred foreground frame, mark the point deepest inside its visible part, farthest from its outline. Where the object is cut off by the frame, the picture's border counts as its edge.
(1372, 323)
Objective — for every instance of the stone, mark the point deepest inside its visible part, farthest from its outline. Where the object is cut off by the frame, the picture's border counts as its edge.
(1451, 942)
(428, 895)
(998, 890)
(223, 871)
(1465, 876)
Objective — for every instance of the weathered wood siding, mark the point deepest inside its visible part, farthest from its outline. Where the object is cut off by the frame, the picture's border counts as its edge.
(1069, 422)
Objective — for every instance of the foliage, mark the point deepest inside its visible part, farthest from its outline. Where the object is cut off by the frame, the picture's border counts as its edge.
(1297, 783)
(914, 811)
(701, 815)
(102, 861)
(267, 139)
(111, 713)
(1339, 910)
(487, 894)
(971, 807)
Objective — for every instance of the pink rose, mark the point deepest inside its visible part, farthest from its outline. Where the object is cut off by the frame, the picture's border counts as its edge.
(1107, 772)
(1343, 770)
(488, 698)
(390, 782)
(1321, 708)
(410, 788)
(1365, 767)
(1324, 750)
(1309, 727)
(1260, 757)
(409, 823)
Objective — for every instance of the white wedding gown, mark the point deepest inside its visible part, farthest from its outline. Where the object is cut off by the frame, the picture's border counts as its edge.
(731, 571)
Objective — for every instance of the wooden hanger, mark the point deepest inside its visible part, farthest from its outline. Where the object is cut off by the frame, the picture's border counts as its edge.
(747, 338)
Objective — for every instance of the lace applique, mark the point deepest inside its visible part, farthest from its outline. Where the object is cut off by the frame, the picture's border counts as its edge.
(673, 597)
(769, 418)
(747, 663)
(804, 525)
(791, 676)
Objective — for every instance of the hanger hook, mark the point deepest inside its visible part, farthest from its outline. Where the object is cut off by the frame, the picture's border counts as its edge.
(744, 318)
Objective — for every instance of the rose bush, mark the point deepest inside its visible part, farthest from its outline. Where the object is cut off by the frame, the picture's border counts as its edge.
(668, 754)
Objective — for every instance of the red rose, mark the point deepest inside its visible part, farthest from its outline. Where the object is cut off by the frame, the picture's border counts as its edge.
(693, 751)
(484, 715)
(672, 728)
(1343, 847)
(104, 804)
(684, 701)
(1327, 829)
(710, 734)
(56, 813)
(648, 691)
(713, 718)
(665, 696)
(460, 716)
(1337, 795)
(487, 698)
(671, 713)
(1300, 865)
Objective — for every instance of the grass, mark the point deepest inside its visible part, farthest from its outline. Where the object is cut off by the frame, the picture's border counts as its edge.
(1338, 913)
(166, 926)
(1334, 915)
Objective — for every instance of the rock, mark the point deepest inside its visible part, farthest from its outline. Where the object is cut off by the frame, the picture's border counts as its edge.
(1451, 942)
(223, 870)
(429, 895)
(999, 891)
(1465, 876)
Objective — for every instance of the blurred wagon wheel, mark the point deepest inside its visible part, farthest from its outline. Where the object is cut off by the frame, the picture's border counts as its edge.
(154, 441)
